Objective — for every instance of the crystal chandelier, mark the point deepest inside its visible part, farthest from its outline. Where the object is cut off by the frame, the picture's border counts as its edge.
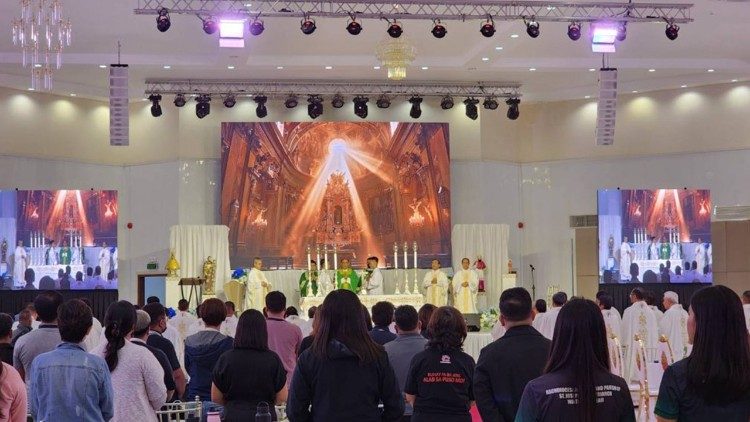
(396, 54)
(42, 33)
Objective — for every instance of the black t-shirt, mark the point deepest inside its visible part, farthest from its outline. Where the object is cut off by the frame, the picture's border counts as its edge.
(553, 397)
(443, 385)
(166, 346)
(247, 377)
(677, 401)
(164, 362)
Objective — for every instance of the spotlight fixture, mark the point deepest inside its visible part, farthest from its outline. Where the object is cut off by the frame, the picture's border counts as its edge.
(162, 20)
(672, 31)
(261, 110)
(210, 26)
(513, 111)
(257, 27)
(471, 108)
(574, 31)
(291, 101)
(203, 106)
(416, 108)
(230, 101)
(155, 107)
(622, 32)
(307, 26)
(395, 30)
(179, 100)
(446, 103)
(315, 106)
(532, 27)
(488, 27)
(360, 106)
(354, 27)
(337, 101)
(383, 101)
(490, 103)
(438, 30)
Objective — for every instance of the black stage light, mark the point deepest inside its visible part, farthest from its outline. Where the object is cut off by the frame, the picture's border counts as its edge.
(532, 28)
(513, 111)
(471, 108)
(439, 30)
(179, 100)
(261, 110)
(307, 26)
(315, 106)
(203, 106)
(446, 103)
(574, 31)
(162, 20)
(416, 108)
(395, 30)
(229, 101)
(155, 106)
(257, 27)
(490, 103)
(337, 101)
(622, 32)
(488, 28)
(354, 27)
(672, 31)
(360, 106)
(383, 101)
(291, 101)
(210, 26)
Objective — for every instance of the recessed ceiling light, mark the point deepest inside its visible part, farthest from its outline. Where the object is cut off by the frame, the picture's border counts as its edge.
(652, 70)
(635, 92)
(514, 35)
(230, 67)
(591, 69)
(710, 70)
(532, 69)
(498, 48)
(279, 67)
(376, 67)
(425, 68)
(587, 97)
(74, 95)
(734, 80)
(485, 59)
(102, 66)
(329, 67)
(683, 86)
(166, 66)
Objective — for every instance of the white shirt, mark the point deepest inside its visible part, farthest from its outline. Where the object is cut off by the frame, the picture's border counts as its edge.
(547, 325)
(229, 326)
(375, 284)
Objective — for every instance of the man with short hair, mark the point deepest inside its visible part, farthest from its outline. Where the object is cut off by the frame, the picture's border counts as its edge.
(639, 319)
(25, 325)
(547, 324)
(43, 339)
(68, 384)
(508, 363)
(674, 325)
(746, 307)
(612, 319)
(465, 285)
(382, 317)
(229, 327)
(6, 334)
(373, 281)
(157, 327)
(183, 320)
(140, 334)
(436, 283)
(258, 286)
(408, 343)
(284, 338)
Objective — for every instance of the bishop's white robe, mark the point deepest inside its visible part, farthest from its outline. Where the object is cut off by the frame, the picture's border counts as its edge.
(104, 260)
(700, 257)
(638, 319)
(547, 324)
(626, 258)
(465, 298)
(20, 263)
(436, 294)
(613, 322)
(657, 313)
(257, 289)
(674, 326)
(374, 285)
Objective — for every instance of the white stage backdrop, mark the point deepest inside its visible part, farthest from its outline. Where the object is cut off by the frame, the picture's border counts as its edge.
(490, 241)
(193, 244)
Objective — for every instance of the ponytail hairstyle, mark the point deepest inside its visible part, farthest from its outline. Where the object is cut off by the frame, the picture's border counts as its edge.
(118, 324)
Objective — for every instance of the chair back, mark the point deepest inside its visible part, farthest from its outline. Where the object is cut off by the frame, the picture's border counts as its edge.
(615, 355)
(641, 366)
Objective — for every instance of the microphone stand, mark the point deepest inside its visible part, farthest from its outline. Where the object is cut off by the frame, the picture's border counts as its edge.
(533, 283)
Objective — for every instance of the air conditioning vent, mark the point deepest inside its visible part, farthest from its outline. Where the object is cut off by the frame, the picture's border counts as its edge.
(578, 221)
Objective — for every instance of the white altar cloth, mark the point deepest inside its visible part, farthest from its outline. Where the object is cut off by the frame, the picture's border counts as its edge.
(369, 300)
(475, 342)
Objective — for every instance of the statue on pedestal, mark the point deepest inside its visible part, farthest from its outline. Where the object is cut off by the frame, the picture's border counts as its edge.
(209, 274)
(172, 266)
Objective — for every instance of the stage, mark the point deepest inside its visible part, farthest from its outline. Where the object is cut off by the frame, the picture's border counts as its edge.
(11, 301)
(621, 292)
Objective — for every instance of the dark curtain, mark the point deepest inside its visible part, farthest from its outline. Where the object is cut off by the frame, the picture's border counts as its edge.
(621, 292)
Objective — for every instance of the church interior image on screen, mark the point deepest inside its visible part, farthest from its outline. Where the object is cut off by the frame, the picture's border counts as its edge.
(655, 236)
(361, 186)
(58, 239)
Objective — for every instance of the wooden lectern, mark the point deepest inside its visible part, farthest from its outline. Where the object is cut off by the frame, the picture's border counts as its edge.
(195, 287)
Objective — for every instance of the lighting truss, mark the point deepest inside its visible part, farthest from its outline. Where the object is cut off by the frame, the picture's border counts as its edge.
(550, 11)
(281, 89)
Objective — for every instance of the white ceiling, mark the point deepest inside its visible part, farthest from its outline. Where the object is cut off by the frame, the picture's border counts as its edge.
(718, 39)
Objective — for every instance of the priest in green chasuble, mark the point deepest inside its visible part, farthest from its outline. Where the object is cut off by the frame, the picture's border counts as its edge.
(65, 254)
(665, 250)
(313, 276)
(346, 277)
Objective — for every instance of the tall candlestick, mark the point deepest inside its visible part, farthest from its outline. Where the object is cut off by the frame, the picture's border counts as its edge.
(335, 258)
(415, 254)
(406, 255)
(317, 257)
(325, 255)
(395, 255)
(308, 293)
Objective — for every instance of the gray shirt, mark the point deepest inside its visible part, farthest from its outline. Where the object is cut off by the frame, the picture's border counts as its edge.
(42, 340)
(400, 353)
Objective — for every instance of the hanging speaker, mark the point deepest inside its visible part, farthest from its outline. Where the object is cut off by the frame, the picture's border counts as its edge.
(606, 109)
(119, 117)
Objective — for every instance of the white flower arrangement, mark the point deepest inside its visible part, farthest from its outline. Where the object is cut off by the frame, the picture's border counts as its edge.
(489, 318)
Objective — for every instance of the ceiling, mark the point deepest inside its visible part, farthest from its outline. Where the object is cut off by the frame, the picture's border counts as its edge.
(718, 40)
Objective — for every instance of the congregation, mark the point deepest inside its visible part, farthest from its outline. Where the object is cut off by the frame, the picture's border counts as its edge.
(397, 364)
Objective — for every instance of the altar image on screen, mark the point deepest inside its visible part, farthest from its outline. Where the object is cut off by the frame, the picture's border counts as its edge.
(655, 236)
(361, 186)
(58, 239)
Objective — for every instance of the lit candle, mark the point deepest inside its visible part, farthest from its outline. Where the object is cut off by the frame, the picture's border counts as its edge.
(415, 254)
(325, 255)
(335, 258)
(317, 256)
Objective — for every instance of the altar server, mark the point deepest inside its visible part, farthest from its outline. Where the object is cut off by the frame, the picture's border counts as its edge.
(373, 279)
(20, 263)
(674, 325)
(436, 284)
(547, 324)
(257, 287)
(105, 257)
(612, 319)
(700, 255)
(465, 284)
(50, 254)
(637, 319)
(626, 258)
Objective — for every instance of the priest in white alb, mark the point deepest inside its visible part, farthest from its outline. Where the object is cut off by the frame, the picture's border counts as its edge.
(465, 284)
(257, 287)
(104, 259)
(435, 283)
(700, 255)
(20, 263)
(373, 279)
(626, 258)
(546, 325)
(674, 325)
(612, 319)
(639, 319)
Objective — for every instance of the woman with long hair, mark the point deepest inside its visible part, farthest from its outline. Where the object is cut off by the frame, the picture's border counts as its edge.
(577, 384)
(425, 313)
(137, 376)
(713, 383)
(344, 375)
(239, 393)
(439, 382)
